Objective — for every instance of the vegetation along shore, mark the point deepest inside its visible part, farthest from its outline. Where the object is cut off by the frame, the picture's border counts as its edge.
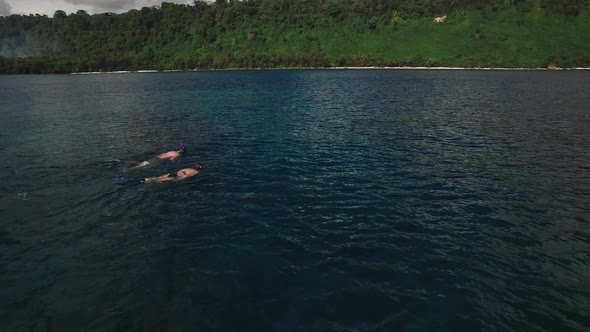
(302, 33)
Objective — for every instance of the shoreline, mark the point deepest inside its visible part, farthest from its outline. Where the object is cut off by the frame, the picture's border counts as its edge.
(338, 68)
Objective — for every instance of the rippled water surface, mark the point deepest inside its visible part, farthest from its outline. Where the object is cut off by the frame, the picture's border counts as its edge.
(330, 201)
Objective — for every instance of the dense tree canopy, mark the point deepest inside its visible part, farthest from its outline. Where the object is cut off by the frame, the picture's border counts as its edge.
(295, 33)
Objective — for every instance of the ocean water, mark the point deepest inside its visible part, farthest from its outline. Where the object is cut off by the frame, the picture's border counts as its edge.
(343, 200)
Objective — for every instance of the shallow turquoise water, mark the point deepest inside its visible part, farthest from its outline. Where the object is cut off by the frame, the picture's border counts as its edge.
(330, 201)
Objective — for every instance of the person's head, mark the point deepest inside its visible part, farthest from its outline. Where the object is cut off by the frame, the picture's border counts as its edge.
(182, 148)
(198, 166)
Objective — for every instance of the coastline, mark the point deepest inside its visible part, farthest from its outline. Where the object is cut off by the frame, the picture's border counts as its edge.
(340, 68)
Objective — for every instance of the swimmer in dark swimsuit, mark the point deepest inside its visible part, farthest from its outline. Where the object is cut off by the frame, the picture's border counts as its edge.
(183, 174)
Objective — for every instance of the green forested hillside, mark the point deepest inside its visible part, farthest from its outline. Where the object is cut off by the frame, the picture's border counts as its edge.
(302, 33)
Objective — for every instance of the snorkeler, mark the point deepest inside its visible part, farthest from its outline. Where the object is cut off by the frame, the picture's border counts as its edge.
(171, 155)
(183, 174)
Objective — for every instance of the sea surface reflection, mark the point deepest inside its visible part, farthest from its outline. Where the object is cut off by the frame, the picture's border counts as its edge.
(343, 200)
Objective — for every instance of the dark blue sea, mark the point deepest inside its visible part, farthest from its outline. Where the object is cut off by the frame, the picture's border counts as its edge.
(331, 200)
